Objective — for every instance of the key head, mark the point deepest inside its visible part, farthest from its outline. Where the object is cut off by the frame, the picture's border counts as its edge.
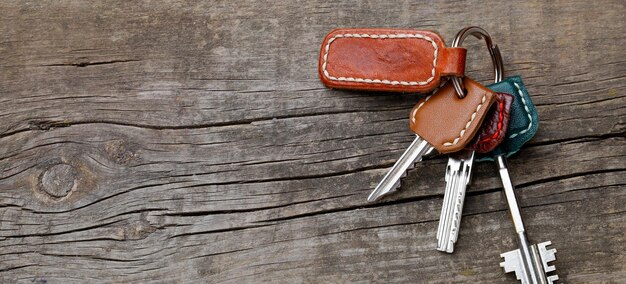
(493, 130)
(447, 122)
(523, 122)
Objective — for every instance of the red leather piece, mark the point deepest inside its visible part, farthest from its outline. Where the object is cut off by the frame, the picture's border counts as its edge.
(396, 60)
(493, 130)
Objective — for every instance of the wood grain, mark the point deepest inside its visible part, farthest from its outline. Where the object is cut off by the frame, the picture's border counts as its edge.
(188, 141)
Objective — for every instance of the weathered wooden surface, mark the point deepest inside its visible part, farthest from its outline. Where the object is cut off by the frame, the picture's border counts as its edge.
(192, 142)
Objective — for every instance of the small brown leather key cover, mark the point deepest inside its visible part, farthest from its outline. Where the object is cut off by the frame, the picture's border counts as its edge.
(447, 122)
(396, 60)
(493, 129)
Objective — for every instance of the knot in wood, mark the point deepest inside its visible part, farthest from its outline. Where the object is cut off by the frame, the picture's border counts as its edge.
(136, 230)
(120, 152)
(58, 180)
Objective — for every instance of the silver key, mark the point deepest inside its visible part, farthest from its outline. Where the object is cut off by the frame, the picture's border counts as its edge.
(411, 155)
(529, 262)
(458, 176)
(461, 120)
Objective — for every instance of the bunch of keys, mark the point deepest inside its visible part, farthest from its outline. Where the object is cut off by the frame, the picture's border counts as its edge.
(461, 118)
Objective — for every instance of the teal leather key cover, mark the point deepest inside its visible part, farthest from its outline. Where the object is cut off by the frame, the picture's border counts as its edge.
(523, 123)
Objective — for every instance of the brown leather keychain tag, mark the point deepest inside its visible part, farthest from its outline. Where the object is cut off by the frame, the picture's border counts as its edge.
(397, 60)
(448, 122)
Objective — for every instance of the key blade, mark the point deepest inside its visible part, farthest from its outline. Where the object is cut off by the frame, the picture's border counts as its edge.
(509, 192)
(450, 194)
(453, 165)
(450, 168)
(458, 175)
(418, 148)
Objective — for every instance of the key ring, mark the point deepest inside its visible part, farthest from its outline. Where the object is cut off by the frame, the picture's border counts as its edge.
(496, 57)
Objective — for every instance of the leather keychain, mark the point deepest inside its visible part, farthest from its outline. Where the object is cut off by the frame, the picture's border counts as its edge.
(524, 120)
(395, 60)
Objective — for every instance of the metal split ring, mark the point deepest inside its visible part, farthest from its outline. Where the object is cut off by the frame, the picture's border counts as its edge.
(496, 57)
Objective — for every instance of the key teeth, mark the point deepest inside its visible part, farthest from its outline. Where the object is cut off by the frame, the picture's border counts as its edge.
(553, 278)
(395, 186)
(511, 261)
(406, 172)
(547, 255)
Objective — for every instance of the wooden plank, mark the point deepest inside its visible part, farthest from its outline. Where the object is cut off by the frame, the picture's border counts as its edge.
(193, 142)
